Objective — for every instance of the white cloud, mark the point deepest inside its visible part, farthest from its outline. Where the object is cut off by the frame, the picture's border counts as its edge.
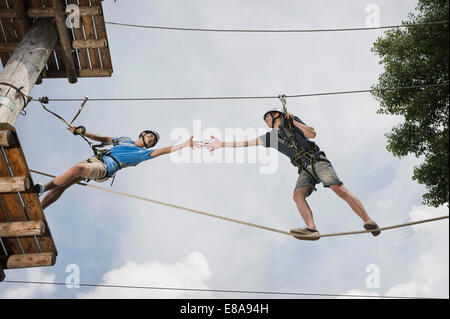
(428, 271)
(191, 272)
(28, 291)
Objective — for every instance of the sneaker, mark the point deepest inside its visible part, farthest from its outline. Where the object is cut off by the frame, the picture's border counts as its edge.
(39, 188)
(305, 233)
(372, 225)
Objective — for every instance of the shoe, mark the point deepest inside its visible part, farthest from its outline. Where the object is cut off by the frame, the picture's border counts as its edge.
(372, 225)
(305, 233)
(39, 188)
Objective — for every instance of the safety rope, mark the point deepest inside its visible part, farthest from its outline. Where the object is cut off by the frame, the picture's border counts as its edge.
(424, 86)
(26, 98)
(276, 30)
(237, 221)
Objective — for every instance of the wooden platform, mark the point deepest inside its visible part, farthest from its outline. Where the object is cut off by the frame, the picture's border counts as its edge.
(25, 238)
(79, 52)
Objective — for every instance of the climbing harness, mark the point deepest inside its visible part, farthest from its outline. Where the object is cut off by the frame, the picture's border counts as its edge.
(99, 150)
(303, 156)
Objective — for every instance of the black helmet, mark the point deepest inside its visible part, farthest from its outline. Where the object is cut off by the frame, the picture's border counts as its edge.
(149, 131)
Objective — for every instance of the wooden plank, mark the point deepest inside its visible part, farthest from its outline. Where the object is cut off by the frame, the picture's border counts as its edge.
(78, 35)
(51, 12)
(15, 184)
(31, 202)
(21, 20)
(7, 13)
(8, 25)
(12, 210)
(92, 44)
(65, 41)
(90, 35)
(2, 274)
(22, 229)
(101, 33)
(83, 73)
(7, 139)
(28, 260)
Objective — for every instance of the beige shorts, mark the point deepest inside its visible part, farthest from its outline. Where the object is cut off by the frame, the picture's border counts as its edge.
(97, 170)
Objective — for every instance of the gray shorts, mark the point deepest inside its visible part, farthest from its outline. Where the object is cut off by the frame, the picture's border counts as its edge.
(325, 172)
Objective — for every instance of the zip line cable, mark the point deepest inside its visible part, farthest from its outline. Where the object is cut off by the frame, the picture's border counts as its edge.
(275, 30)
(241, 222)
(214, 290)
(246, 97)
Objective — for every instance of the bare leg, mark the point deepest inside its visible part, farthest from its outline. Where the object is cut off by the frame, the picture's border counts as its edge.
(79, 170)
(300, 195)
(54, 194)
(351, 199)
(59, 184)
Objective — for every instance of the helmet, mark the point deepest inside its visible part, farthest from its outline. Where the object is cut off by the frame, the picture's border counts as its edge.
(273, 109)
(149, 131)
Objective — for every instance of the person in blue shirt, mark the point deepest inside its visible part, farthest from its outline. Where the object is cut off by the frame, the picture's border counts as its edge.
(315, 167)
(124, 153)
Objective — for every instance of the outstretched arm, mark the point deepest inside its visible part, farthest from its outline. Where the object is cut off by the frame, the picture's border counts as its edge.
(216, 144)
(92, 136)
(170, 149)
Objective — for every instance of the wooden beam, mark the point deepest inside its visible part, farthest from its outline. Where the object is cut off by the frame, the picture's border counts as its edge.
(7, 139)
(7, 13)
(51, 12)
(76, 44)
(25, 206)
(65, 40)
(90, 44)
(27, 260)
(22, 229)
(15, 184)
(83, 73)
(22, 19)
(2, 274)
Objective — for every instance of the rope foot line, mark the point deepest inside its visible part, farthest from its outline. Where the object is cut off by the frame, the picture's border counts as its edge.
(245, 223)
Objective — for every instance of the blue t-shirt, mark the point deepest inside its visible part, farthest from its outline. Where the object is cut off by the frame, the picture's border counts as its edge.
(128, 154)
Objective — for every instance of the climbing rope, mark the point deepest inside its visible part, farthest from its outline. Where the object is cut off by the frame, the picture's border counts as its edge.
(237, 221)
(26, 98)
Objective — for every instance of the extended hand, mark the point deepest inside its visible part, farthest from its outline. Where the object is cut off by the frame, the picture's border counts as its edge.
(191, 143)
(214, 145)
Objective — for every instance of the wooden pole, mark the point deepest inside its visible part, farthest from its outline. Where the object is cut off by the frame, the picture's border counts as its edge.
(27, 260)
(22, 229)
(23, 68)
(15, 184)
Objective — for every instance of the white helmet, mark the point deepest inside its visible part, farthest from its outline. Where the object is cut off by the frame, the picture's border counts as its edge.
(273, 109)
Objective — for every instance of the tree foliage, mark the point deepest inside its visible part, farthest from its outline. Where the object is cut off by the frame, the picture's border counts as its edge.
(418, 56)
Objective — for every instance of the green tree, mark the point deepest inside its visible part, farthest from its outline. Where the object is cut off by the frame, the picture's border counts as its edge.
(419, 56)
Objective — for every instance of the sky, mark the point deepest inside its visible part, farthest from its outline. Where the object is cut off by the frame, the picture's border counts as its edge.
(103, 238)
